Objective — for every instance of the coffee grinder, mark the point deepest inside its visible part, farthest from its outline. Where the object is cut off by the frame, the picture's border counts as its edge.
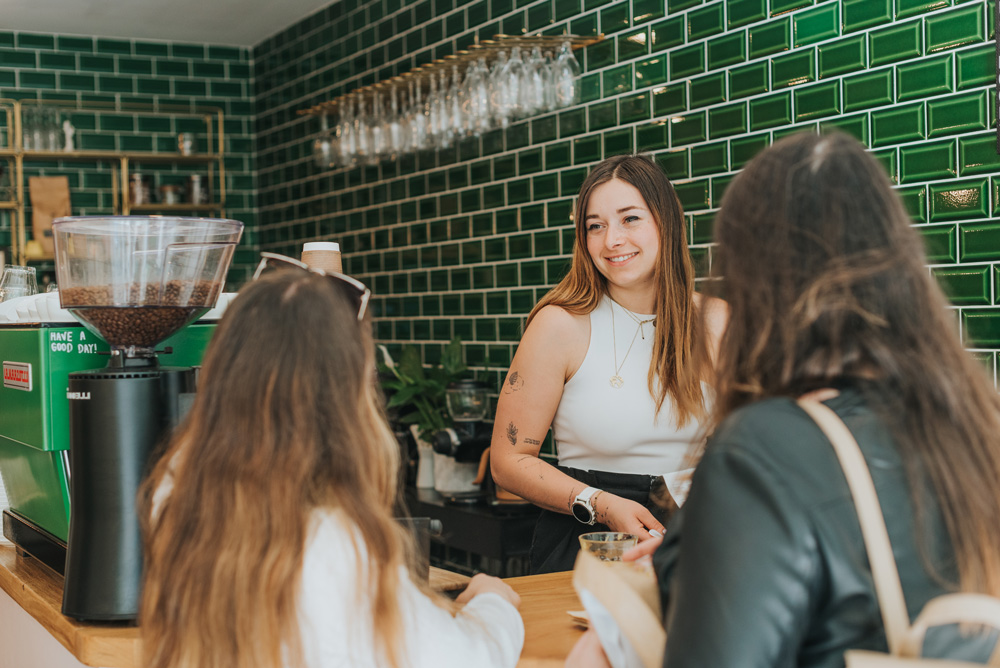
(133, 281)
(470, 435)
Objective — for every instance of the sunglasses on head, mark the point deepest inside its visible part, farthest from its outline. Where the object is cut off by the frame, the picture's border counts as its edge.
(357, 290)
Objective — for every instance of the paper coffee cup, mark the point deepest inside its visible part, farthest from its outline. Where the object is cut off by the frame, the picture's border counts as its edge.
(323, 255)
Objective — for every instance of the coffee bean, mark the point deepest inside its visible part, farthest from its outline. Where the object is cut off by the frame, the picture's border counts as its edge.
(139, 315)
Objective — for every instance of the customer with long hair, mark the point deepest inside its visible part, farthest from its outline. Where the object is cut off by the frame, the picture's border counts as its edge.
(270, 537)
(609, 360)
(829, 295)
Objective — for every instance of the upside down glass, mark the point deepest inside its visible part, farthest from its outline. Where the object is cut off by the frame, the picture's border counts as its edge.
(17, 282)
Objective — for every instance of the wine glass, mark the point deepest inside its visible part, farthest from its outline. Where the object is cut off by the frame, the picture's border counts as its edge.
(567, 72)
(513, 75)
(533, 83)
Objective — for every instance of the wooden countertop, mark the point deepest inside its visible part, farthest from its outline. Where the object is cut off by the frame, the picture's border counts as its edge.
(549, 631)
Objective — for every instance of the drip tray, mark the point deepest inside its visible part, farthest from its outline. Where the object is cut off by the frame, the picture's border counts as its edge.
(35, 541)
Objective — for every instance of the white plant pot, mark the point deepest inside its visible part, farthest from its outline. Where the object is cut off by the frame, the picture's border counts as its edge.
(425, 463)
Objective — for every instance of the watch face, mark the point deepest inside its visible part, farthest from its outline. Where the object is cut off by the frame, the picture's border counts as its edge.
(581, 513)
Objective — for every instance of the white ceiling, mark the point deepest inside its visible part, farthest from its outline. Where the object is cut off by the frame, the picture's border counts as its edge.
(225, 22)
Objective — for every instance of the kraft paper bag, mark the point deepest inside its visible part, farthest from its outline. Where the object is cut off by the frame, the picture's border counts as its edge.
(49, 200)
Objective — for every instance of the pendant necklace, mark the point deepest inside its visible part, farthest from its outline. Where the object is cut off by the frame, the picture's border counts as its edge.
(616, 380)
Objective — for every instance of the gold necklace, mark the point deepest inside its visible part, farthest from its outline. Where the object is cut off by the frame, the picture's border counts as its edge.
(637, 320)
(616, 380)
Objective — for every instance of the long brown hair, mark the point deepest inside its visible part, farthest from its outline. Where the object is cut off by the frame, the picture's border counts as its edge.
(826, 279)
(678, 365)
(287, 420)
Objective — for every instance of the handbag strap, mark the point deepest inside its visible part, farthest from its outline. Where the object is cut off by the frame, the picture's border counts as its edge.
(888, 588)
(976, 609)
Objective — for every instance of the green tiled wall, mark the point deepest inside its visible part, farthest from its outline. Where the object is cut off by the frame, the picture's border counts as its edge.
(462, 242)
(88, 70)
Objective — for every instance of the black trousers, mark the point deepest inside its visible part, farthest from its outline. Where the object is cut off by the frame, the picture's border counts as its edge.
(556, 540)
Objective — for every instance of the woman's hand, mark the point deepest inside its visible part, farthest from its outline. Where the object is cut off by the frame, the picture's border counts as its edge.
(644, 549)
(487, 584)
(626, 516)
(588, 653)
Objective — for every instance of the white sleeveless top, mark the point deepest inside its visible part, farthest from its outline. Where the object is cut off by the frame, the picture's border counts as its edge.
(601, 428)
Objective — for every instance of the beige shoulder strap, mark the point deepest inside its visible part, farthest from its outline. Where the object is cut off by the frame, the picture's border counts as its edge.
(859, 479)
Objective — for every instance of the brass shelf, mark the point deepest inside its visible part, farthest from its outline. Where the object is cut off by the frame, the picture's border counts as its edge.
(177, 207)
(488, 48)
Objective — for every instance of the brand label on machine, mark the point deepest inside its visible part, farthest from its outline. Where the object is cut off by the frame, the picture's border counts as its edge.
(17, 376)
(78, 396)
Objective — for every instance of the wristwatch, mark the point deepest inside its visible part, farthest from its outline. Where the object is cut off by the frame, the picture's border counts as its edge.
(583, 506)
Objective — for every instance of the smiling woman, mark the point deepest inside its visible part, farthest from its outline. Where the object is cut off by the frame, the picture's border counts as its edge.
(614, 360)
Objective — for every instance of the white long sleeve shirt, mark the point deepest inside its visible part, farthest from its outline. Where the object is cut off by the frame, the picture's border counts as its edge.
(336, 618)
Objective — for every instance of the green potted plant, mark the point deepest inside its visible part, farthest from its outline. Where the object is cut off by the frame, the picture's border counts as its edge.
(416, 392)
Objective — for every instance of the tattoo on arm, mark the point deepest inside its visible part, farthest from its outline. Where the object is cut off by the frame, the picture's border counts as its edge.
(514, 382)
(512, 433)
(531, 441)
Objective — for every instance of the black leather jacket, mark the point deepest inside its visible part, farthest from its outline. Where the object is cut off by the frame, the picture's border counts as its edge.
(765, 566)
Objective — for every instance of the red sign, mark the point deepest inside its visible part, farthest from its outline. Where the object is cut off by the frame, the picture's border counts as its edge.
(17, 376)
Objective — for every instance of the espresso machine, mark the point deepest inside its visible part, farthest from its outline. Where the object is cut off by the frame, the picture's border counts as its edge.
(133, 282)
(468, 439)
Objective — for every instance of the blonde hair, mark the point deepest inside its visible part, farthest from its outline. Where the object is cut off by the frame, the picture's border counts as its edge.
(287, 420)
(680, 360)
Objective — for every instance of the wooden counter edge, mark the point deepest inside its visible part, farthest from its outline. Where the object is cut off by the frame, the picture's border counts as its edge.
(34, 588)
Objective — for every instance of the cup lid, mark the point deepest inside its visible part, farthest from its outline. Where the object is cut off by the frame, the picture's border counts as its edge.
(320, 246)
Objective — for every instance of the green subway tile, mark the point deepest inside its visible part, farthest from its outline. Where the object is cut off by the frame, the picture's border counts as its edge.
(981, 328)
(924, 162)
(632, 45)
(898, 42)
(37, 80)
(702, 228)
(506, 221)
(975, 67)
(518, 247)
(959, 200)
(557, 155)
(859, 14)
(67, 43)
(687, 129)
(727, 50)
(590, 85)
(618, 142)
(130, 143)
(521, 301)
(708, 90)
(678, 5)
(117, 123)
(529, 162)
(965, 286)
(519, 192)
(6, 38)
(710, 159)
(955, 28)
(171, 68)
(979, 241)
(135, 66)
(727, 121)
(906, 8)
(771, 111)
(815, 25)
(693, 195)
(193, 88)
(634, 108)
(924, 78)
(701, 259)
(748, 80)
(669, 100)
(793, 69)
(978, 155)
(674, 163)
(959, 113)
(115, 46)
(915, 201)
(819, 101)
(719, 185)
(533, 217)
(785, 6)
(744, 149)
(146, 86)
(600, 55)
(687, 61)
(14, 58)
(504, 167)
(645, 10)
(652, 137)
(603, 115)
(871, 89)
(586, 149)
(28, 40)
(742, 12)
(572, 122)
(842, 56)
(666, 34)
(544, 129)
(57, 61)
(939, 242)
(650, 72)
(705, 21)
(545, 186)
(533, 273)
(560, 214)
(493, 196)
(899, 124)
(97, 63)
(547, 243)
(770, 38)
(586, 25)
(615, 18)
(151, 49)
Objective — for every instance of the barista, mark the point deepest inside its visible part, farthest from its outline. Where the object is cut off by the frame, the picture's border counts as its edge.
(613, 359)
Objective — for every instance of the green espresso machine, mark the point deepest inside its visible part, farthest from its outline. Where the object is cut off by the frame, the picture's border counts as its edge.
(82, 407)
